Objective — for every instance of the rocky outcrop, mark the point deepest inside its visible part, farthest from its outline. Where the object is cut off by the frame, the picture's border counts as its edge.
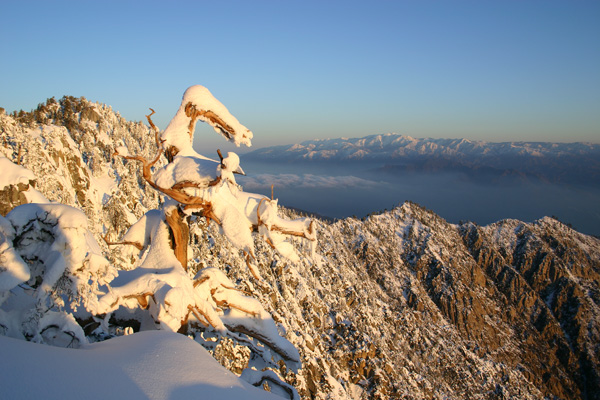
(401, 304)
(549, 276)
(12, 196)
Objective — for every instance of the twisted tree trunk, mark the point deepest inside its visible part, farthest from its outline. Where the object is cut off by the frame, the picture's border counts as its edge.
(180, 234)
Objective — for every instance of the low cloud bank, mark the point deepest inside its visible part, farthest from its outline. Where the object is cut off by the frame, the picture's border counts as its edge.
(305, 181)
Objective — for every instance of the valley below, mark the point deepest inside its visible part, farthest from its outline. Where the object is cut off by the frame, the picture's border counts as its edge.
(342, 189)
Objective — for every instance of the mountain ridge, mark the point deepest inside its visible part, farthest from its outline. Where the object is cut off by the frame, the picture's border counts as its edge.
(363, 147)
(577, 162)
(402, 303)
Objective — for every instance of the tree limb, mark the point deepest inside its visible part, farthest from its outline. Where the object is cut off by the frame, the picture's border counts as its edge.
(137, 245)
(181, 234)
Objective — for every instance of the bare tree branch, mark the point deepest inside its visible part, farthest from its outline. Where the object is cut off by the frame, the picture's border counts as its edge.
(135, 244)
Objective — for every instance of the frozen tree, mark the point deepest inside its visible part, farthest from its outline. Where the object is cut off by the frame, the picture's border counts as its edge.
(200, 186)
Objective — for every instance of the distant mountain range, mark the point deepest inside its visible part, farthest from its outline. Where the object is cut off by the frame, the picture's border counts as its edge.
(402, 304)
(577, 163)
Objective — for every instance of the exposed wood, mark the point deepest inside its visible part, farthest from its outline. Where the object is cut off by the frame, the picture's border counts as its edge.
(270, 243)
(268, 379)
(237, 290)
(196, 311)
(193, 114)
(259, 336)
(204, 321)
(149, 118)
(190, 111)
(281, 229)
(224, 303)
(288, 232)
(178, 227)
(207, 212)
(220, 157)
(223, 165)
(253, 270)
(201, 281)
(180, 232)
(225, 129)
(258, 220)
(137, 245)
(141, 298)
(291, 233)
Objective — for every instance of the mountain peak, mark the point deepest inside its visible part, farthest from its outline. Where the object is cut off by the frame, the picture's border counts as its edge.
(401, 304)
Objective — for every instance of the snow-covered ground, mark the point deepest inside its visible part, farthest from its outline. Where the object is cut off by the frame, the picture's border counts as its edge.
(146, 365)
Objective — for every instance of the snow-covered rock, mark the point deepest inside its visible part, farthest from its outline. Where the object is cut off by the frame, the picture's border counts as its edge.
(401, 304)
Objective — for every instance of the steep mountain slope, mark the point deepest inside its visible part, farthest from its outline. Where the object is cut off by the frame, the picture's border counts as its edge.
(393, 153)
(406, 305)
(69, 145)
(401, 304)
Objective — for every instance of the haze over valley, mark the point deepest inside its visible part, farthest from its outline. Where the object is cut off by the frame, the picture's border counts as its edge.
(460, 179)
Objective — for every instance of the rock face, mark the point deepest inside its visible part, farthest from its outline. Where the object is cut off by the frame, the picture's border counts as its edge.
(406, 305)
(523, 297)
(549, 278)
(399, 305)
(69, 145)
(12, 196)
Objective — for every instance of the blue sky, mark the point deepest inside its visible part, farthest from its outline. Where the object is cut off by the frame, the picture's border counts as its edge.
(297, 70)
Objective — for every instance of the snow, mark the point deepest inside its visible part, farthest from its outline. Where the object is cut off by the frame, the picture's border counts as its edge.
(65, 216)
(55, 241)
(34, 196)
(177, 133)
(394, 147)
(147, 365)
(13, 271)
(174, 294)
(228, 166)
(245, 312)
(122, 151)
(197, 169)
(13, 174)
(141, 231)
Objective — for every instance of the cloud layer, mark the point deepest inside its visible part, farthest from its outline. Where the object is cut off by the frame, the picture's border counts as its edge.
(304, 181)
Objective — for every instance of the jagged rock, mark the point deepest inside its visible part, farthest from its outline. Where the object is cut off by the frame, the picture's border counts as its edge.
(400, 305)
(12, 196)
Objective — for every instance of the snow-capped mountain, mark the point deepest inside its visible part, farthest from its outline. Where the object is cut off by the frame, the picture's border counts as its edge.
(554, 162)
(400, 304)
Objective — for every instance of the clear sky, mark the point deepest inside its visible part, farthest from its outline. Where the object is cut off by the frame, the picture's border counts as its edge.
(295, 70)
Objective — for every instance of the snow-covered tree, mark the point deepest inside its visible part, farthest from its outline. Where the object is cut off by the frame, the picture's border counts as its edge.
(197, 186)
(57, 285)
